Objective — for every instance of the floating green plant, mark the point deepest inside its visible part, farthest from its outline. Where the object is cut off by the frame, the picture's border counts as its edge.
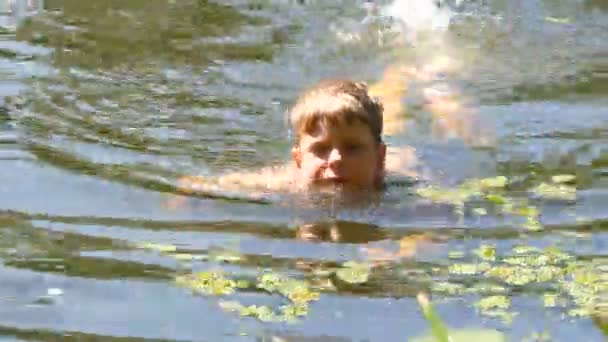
(480, 211)
(551, 300)
(494, 302)
(532, 224)
(469, 268)
(487, 288)
(456, 254)
(156, 247)
(448, 288)
(486, 252)
(496, 199)
(263, 313)
(209, 283)
(354, 272)
(558, 20)
(187, 256)
(522, 249)
(513, 275)
(297, 291)
(498, 182)
(578, 286)
(449, 196)
(556, 192)
(505, 316)
(560, 179)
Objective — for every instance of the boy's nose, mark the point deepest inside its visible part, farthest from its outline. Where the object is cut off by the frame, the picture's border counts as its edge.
(334, 157)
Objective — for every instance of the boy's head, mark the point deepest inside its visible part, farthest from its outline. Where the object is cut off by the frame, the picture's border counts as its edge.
(338, 130)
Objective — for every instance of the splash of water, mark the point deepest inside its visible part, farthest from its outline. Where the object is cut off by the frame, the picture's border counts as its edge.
(419, 15)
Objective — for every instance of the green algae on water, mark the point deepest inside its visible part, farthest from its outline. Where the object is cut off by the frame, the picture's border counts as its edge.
(561, 179)
(354, 272)
(556, 192)
(486, 252)
(157, 247)
(209, 283)
(494, 302)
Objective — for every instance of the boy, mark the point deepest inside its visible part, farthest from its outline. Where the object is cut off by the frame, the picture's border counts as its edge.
(338, 130)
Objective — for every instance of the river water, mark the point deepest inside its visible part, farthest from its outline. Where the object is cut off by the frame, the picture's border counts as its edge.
(105, 105)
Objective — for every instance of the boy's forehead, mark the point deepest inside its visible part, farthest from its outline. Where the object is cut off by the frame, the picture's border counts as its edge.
(344, 130)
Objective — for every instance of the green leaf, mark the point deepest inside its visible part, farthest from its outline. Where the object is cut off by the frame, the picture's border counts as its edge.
(438, 328)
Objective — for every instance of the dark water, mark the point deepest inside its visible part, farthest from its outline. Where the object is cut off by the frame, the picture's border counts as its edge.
(104, 105)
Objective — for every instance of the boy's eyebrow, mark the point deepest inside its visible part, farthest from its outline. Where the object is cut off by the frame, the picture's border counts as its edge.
(318, 143)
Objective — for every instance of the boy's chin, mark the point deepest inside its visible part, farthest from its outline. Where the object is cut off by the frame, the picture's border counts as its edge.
(341, 190)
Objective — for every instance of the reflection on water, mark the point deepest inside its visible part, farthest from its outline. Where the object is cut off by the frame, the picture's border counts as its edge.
(106, 105)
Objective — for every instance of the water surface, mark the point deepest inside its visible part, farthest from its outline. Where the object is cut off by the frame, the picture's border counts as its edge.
(105, 104)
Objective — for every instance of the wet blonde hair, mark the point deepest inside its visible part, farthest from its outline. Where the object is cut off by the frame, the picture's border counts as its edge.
(335, 102)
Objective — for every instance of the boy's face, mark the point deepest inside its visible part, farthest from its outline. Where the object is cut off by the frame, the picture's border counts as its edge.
(344, 154)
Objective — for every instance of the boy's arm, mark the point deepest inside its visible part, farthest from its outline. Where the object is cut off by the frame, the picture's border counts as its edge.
(276, 178)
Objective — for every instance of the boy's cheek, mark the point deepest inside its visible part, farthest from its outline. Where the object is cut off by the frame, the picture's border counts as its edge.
(307, 168)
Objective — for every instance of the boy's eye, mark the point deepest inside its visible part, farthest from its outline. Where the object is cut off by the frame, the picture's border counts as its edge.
(319, 149)
(354, 147)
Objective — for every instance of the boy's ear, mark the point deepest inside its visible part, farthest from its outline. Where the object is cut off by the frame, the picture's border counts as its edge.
(296, 155)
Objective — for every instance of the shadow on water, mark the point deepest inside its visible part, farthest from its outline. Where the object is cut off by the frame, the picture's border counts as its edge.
(106, 104)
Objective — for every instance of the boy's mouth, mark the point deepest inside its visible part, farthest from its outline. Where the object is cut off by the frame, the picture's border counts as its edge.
(330, 181)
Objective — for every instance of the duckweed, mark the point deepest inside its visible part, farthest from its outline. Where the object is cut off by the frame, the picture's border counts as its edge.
(469, 269)
(494, 302)
(576, 285)
(486, 252)
(209, 283)
(297, 291)
(448, 288)
(556, 192)
(156, 247)
(456, 254)
(215, 283)
(563, 178)
(354, 272)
